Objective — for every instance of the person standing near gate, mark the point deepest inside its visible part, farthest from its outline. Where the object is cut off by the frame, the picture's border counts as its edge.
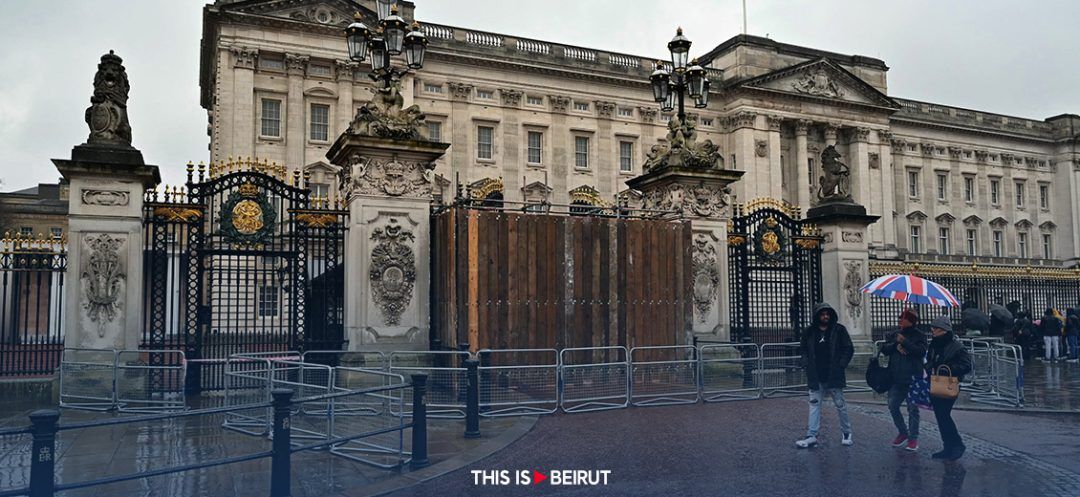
(826, 350)
(1050, 329)
(906, 349)
(1072, 333)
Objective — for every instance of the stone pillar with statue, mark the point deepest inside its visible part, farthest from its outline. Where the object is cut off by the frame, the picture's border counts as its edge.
(105, 234)
(844, 258)
(387, 178)
(688, 179)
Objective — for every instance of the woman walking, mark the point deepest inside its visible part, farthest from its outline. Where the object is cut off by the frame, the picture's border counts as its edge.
(945, 350)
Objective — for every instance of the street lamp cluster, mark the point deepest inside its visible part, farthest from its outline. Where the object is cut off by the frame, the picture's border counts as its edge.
(670, 88)
(393, 36)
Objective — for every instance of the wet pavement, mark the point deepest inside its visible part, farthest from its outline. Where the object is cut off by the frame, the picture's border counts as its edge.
(746, 448)
(1052, 385)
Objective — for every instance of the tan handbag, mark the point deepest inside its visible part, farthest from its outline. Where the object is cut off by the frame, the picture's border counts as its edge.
(944, 386)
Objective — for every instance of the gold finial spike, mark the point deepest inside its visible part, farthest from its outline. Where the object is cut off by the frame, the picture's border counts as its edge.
(296, 179)
(202, 171)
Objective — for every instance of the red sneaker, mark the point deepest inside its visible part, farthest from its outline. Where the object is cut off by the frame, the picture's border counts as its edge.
(899, 440)
(912, 445)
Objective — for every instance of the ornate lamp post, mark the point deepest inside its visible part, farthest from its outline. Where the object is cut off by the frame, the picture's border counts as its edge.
(392, 37)
(670, 88)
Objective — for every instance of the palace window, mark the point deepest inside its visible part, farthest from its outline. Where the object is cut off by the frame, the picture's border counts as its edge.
(536, 147)
(434, 131)
(1019, 194)
(1044, 196)
(320, 70)
(531, 100)
(26, 231)
(626, 112)
(581, 106)
(485, 94)
(626, 157)
(1022, 244)
(969, 189)
(432, 88)
(319, 190)
(320, 122)
(581, 152)
(268, 301)
(707, 122)
(1048, 246)
(995, 192)
(484, 138)
(916, 239)
(942, 186)
(271, 118)
(972, 245)
(998, 235)
(268, 61)
(943, 240)
(913, 184)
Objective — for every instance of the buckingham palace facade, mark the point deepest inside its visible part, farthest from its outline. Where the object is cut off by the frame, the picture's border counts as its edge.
(537, 121)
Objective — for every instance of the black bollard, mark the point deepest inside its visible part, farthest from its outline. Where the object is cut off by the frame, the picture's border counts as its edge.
(43, 455)
(419, 421)
(280, 464)
(472, 399)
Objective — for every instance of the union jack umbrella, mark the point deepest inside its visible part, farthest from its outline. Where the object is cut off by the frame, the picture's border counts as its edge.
(911, 289)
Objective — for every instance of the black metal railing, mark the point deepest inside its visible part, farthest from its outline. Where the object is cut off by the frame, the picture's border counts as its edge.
(31, 312)
(44, 426)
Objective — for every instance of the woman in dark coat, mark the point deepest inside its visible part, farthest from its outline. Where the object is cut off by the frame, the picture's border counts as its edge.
(946, 350)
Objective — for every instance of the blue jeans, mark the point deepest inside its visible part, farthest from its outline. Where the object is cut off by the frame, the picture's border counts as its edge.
(1073, 348)
(816, 397)
(898, 395)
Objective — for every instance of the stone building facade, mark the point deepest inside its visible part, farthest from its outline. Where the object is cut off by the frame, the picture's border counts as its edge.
(537, 120)
(39, 211)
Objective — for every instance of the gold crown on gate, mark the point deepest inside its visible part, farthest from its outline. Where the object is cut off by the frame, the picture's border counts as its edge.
(248, 190)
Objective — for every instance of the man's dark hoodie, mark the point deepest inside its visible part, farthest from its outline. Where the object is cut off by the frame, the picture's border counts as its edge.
(903, 366)
(834, 345)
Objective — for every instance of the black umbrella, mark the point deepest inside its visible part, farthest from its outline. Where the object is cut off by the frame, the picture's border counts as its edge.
(974, 319)
(1000, 313)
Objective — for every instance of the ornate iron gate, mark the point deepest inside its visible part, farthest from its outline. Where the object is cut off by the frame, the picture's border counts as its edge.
(775, 268)
(241, 261)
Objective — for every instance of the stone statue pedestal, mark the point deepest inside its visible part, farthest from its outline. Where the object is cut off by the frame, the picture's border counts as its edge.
(103, 289)
(388, 184)
(845, 262)
(703, 196)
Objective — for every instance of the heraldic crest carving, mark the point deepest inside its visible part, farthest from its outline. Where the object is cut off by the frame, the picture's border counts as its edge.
(102, 279)
(769, 241)
(386, 116)
(683, 150)
(393, 271)
(247, 217)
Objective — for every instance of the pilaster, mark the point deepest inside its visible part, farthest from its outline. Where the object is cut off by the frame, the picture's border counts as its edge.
(295, 130)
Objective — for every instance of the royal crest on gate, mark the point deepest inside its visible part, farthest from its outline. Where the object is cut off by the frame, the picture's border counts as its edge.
(247, 218)
(769, 241)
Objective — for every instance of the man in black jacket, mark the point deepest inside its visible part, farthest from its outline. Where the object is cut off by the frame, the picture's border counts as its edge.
(826, 350)
(906, 349)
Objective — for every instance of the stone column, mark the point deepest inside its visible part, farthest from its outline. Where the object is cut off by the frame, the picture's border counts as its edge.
(513, 147)
(802, 164)
(844, 262)
(462, 132)
(859, 157)
(562, 153)
(345, 110)
(389, 190)
(742, 126)
(295, 130)
(776, 175)
(242, 136)
(607, 153)
(830, 134)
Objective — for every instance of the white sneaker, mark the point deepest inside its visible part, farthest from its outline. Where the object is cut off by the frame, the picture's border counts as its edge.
(806, 442)
(847, 440)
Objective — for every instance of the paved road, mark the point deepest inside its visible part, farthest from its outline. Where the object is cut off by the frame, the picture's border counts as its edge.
(746, 448)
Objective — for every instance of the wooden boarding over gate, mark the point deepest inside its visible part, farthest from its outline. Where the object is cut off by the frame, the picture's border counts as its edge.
(518, 280)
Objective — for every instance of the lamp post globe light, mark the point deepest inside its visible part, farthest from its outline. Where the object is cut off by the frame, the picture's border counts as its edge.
(393, 36)
(671, 87)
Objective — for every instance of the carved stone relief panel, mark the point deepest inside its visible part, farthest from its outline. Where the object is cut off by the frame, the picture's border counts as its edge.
(103, 275)
(706, 268)
(388, 177)
(853, 282)
(392, 271)
(107, 198)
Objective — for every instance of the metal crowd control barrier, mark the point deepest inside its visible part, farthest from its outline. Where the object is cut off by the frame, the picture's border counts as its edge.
(664, 375)
(726, 372)
(247, 381)
(594, 378)
(88, 379)
(781, 371)
(446, 379)
(145, 387)
(865, 350)
(1006, 381)
(518, 382)
(981, 366)
(310, 418)
(372, 413)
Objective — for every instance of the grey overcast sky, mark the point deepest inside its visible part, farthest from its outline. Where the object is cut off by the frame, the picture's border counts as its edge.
(1012, 57)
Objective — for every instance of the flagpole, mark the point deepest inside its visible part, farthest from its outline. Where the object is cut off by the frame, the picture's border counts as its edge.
(743, 16)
